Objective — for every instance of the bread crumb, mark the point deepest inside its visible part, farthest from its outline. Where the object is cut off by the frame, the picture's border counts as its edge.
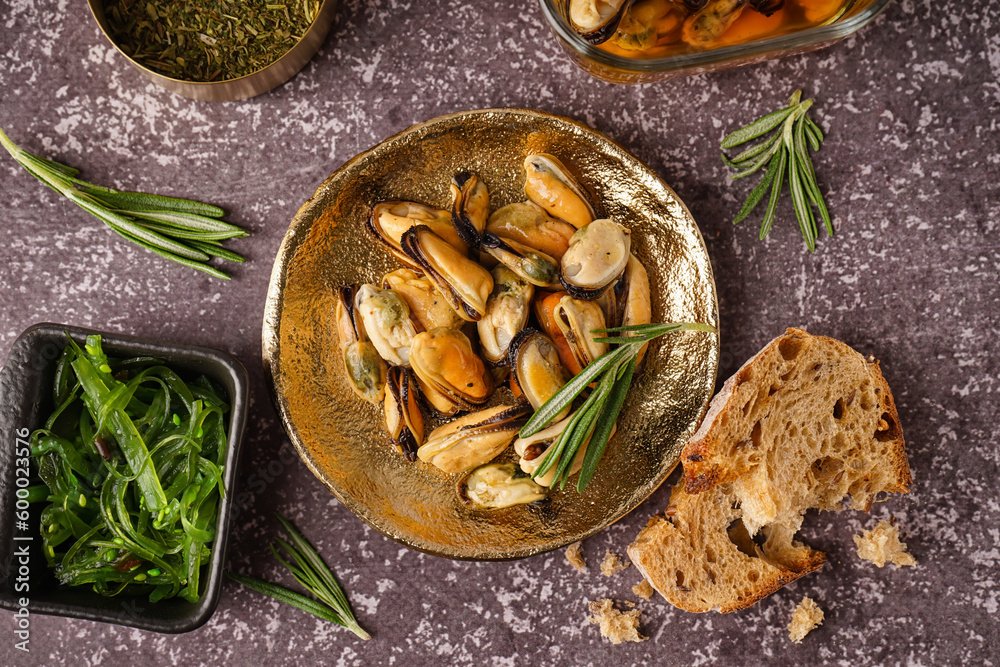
(575, 557)
(806, 618)
(617, 626)
(612, 564)
(882, 545)
(644, 589)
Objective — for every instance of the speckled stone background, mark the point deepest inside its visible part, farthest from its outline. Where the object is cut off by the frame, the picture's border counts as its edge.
(911, 170)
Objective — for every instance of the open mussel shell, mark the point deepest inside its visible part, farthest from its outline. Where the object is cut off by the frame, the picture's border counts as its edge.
(532, 451)
(532, 265)
(528, 223)
(535, 367)
(470, 206)
(363, 367)
(403, 419)
(474, 439)
(499, 485)
(597, 20)
(597, 256)
(507, 312)
(449, 373)
(632, 299)
(387, 322)
(549, 184)
(389, 220)
(465, 284)
(428, 307)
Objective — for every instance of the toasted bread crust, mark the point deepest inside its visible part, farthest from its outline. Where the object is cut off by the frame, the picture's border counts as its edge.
(803, 424)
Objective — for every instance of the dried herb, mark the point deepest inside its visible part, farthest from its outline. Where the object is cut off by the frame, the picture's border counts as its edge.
(208, 40)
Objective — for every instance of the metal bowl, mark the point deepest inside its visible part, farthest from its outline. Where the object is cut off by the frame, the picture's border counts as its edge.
(343, 440)
(251, 85)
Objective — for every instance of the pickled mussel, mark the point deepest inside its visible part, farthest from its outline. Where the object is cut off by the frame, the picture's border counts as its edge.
(632, 296)
(707, 24)
(387, 322)
(597, 256)
(532, 451)
(531, 265)
(428, 307)
(575, 320)
(644, 23)
(499, 485)
(449, 373)
(390, 219)
(549, 184)
(465, 284)
(507, 312)
(597, 20)
(402, 412)
(364, 368)
(530, 224)
(474, 439)
(470, 206)
(536, 370)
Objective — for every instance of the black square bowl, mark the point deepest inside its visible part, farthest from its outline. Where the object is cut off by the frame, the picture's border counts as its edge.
(25, 402)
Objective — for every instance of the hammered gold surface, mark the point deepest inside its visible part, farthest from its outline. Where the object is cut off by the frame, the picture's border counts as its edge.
(342, 439)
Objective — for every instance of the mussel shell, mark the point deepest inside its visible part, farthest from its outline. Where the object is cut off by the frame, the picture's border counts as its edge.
(499, 485)
(474, 439)
(549, 184)
(507, 312)
(535, 367)
(470, 206)
(594, 26)
(532, 265)
(387, 322)
(350, 329)
(767, 7)
(428, 307)
(633, 299)
(445, 364)
(532, 451)
(389, 220)
(465, 284)
(598, 254)
(403, 419)
(528, 223)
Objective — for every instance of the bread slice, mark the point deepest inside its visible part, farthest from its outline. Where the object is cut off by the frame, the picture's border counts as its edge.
(804, 423)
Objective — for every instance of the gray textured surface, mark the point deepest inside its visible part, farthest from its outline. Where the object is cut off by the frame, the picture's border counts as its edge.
(911, 168)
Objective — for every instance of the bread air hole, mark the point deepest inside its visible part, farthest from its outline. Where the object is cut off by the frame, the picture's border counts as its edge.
(827, 469)
(789, 347)
(838, 409)
(739, 536)
(887, 430)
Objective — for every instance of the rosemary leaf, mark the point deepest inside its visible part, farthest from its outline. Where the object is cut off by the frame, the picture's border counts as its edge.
(756, 128)
(772, 205)
(757, 194)
(605, 424)
(750, 153)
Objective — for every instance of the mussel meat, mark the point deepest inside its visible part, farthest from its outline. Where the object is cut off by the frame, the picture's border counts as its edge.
(532, 265)
(402, 413)
(640, 26)
(575, 320)
(707, 24)
(470, 206)
(387, 322)
(549, 184)
(449, 373)
(498, 485)
(428, 307)
(474, 439)
(465, 284)
(597, 255)
(535, 367)
(528, 223)
(597, 20)
(364, 368)
(507, 312)
(390, 219)
(632, 297)
(532, 451)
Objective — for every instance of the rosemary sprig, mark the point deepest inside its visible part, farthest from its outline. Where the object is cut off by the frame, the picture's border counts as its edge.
(596, 416)
(787, 157)
(308, 568)
(181, 230)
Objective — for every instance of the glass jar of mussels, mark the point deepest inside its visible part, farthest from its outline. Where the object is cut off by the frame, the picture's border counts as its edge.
(639, 41)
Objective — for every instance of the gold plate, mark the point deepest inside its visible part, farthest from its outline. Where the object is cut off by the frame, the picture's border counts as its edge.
(343, 440)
